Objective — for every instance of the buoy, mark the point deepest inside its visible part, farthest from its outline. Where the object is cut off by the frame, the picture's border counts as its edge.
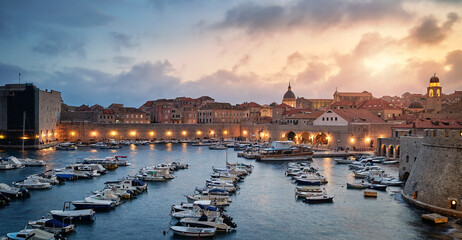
(165, 232)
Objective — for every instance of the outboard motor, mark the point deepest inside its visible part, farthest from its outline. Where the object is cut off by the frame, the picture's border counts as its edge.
(24, 192)
(229, 221)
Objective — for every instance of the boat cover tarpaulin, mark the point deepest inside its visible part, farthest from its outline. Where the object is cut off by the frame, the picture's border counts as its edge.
(210, 208)
(216, 190)
(55, 223)
(137, 182)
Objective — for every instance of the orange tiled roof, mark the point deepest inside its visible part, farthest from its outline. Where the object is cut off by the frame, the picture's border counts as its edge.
(421, 123)
(358, 116)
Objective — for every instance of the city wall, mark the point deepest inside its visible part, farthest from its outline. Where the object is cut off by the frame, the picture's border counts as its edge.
(435, 177)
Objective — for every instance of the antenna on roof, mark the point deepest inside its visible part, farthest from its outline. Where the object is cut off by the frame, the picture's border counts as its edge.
(19, 78)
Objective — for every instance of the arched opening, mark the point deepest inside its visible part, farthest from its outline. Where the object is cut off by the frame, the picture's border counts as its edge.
(291, 136)
(305, 138)
(383, 150)
(391, 151)
(397, 152)
(405, 176)
(321, 139)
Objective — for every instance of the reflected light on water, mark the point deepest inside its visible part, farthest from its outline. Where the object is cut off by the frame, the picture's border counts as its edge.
(169, 147)
(184, 147)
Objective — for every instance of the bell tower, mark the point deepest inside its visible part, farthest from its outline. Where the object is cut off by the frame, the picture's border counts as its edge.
(434, 94)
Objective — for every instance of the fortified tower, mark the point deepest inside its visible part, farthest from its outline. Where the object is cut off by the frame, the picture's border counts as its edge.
(434, 94)
(289, 97)
(435, 180)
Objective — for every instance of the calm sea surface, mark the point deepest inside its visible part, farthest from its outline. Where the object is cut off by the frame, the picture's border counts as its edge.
(264, 208)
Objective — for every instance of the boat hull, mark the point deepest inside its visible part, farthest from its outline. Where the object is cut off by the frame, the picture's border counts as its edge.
(297, 157)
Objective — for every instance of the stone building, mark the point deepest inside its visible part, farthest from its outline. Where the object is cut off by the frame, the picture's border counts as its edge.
(129, 114)
(313, 104)
(289, 98)
(26, 108)
(434, 95)
(432, 166)
(221, 113)
(356, 98)
(383, 109)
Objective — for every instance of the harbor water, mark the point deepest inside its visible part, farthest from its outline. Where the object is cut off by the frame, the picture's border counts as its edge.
(265, 207)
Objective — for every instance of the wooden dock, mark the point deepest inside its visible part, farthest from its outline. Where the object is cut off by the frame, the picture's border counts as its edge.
(434, 218)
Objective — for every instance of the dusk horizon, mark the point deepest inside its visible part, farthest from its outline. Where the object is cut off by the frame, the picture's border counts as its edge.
(120, 52)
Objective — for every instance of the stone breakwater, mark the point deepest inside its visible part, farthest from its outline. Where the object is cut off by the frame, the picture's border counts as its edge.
(435, 177)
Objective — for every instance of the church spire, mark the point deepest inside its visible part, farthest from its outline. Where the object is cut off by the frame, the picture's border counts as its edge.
(289, 88)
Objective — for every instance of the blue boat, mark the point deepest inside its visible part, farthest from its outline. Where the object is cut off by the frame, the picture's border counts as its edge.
(378, 187)
(66, 176)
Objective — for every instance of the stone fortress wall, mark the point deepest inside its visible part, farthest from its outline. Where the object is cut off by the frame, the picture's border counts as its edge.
(435, 177)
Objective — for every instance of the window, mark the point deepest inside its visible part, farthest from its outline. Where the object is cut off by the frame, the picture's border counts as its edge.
(335, 118)
(323, 119)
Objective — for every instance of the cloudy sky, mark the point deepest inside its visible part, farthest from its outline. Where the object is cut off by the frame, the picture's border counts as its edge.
(128, 52)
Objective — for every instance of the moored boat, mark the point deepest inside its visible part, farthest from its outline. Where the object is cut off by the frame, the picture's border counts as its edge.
(193, 231)
(284, 151)
(319, 199)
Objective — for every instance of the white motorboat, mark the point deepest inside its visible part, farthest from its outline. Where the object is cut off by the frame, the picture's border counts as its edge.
(157, 171)
(13, 192)
(390, 162)
(10, 163)
(193, 231)
(308, 189)
(94, 203)
(301, 194)
(324, 198)
(223, 223)
(32, 183)
(391, 182)
(32, 234)
(28, 162)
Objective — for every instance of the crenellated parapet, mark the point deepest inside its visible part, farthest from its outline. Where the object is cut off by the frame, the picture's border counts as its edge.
(443, 138)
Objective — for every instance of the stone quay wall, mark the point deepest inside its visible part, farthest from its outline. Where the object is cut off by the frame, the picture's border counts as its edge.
(339, 136)
(435, 178)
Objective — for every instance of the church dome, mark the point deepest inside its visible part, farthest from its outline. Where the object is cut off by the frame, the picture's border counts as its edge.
(289, 93)
(434, 79)
(416, 105)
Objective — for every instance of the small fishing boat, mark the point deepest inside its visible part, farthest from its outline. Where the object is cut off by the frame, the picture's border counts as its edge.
(391, 182)
(67, 215)
(52, 225)
(218, 147)
(66, 146)
(285, 151)
(343, 161)
(13, 192)
(308, 189)
(389, 162)
(356, 186)
(378, 187)
(319, 199)
(301, 194)
(193, 231)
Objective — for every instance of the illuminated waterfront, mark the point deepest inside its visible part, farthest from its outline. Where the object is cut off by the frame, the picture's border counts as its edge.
(264, 207)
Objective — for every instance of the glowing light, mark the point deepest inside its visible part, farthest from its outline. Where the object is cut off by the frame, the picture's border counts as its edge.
(352, 140)
(212, 132)
(2, 136)
(36, 136)
(169, 133)
(49, 134)
(43, 135)
(113, 133)
(225, 132)
(133, 133)
(198, 132)
(367, 140)
(184, 133)
(283, 135)
(434, 84)
(23, 138)
(72, 133)
(93, 133)
(244, 132)
(151, 133)
(327, 138)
